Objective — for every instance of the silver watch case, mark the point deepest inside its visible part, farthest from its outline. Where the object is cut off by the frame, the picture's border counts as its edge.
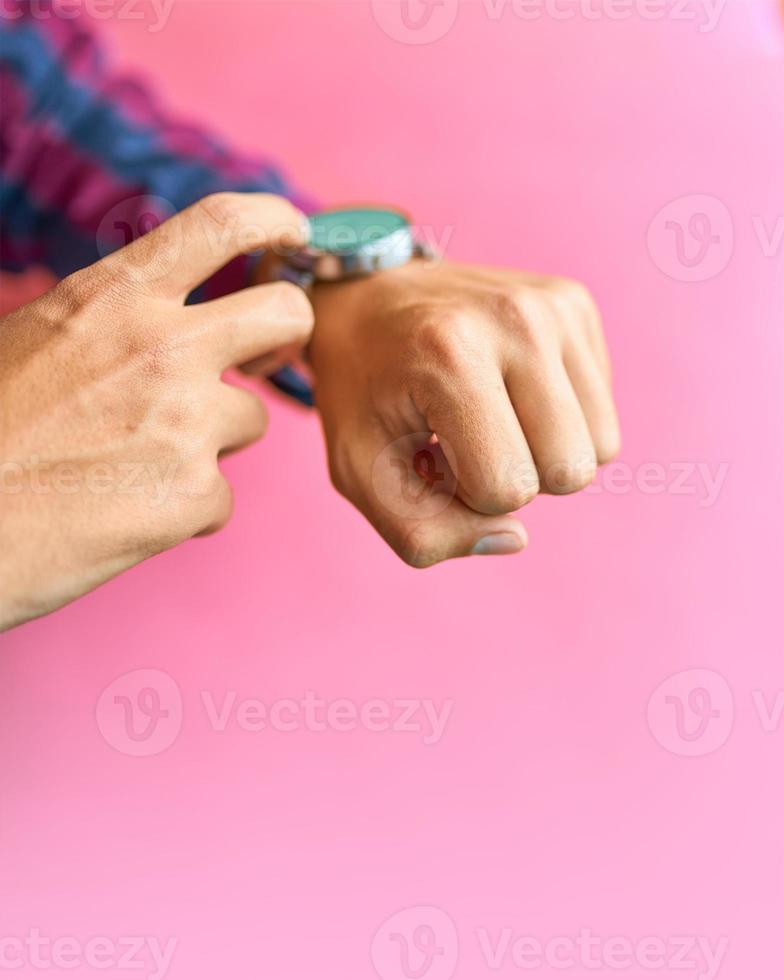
(335, 265)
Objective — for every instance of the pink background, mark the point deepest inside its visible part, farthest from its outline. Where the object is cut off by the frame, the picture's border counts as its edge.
(551, 803)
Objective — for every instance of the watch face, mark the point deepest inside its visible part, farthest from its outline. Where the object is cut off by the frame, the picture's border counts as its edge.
(356, 231)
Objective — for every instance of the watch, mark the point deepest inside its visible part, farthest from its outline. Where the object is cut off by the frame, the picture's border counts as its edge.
(345, 243)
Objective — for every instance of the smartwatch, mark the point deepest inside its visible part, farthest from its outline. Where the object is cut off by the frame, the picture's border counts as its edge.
(345, 243)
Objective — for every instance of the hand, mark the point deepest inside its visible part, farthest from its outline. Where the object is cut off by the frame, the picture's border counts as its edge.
(113, 412)
(509, 371)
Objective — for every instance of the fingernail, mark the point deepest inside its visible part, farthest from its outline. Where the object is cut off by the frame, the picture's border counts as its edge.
(504, 543)
(306, 229)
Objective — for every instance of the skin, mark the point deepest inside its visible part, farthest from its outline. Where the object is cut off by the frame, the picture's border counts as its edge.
(449, 396)
(511, 371)
(113, 410)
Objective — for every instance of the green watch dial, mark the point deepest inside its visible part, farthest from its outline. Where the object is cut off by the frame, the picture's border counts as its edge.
(353, 230)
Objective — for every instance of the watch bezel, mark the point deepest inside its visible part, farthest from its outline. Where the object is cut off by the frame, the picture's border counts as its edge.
(385, 252)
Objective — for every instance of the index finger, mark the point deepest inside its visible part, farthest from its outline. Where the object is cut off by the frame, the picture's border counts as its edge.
(474, 417)
(182, 252)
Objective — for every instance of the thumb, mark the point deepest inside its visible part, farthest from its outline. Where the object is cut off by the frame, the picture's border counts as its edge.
(407, 491)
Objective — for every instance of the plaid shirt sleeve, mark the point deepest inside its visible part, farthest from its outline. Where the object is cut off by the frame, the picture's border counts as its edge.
(85, 152)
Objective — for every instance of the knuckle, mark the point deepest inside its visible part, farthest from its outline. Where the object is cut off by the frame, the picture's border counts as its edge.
(515, 499)
(223, 506)
(416, 548)
(505, 496)
(512, 304)
(77, 288)
(214, 500)
(77, 294)
(221, 208)
(521, 308)
(525, 494)
(447, 343)
(570, 475)
(577, 297)
(254, 417)
(571, 289)
(523, 483)
(93, 300)
(518, 494)
(534, 336)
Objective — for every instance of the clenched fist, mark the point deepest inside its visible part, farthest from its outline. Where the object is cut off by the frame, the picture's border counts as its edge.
(451, 395)
(113, 411)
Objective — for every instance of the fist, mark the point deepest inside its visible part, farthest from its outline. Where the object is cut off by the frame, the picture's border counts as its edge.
(469, 390)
